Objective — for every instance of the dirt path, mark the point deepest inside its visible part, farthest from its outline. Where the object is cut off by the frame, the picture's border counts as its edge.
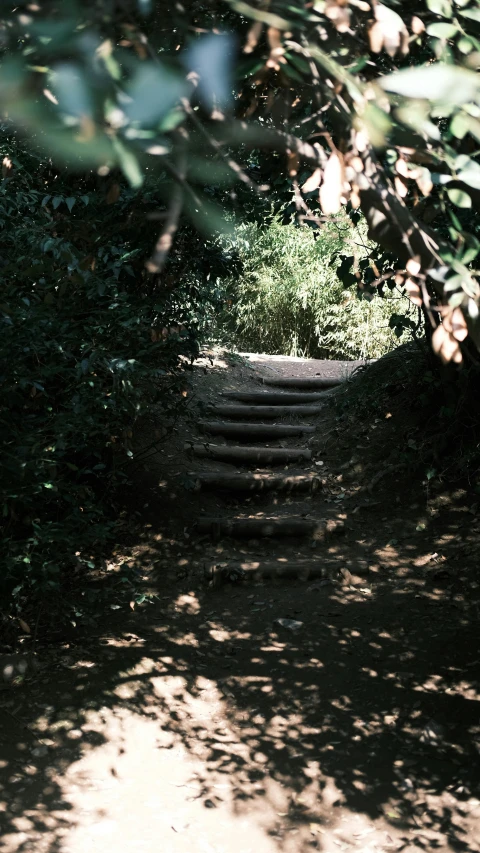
(197, 722)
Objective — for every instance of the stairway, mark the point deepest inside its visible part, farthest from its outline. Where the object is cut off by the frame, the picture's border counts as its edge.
(246, 419)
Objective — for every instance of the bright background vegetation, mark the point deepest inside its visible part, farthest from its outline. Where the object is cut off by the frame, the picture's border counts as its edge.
(289, 299)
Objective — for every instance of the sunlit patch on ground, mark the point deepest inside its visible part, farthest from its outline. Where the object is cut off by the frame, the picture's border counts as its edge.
(197, 718)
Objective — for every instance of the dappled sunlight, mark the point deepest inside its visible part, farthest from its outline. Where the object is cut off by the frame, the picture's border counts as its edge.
(203, 725)
(328, 701)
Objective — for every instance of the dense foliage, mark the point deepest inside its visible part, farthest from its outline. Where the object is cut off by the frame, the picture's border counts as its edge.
(131, 133)
(363, 104)
(290, 300)
(88, 344)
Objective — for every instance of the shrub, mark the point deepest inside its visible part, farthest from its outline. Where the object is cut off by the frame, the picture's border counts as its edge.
(289, 300)
(88, 344)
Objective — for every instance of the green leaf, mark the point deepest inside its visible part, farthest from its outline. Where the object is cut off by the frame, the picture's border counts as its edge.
(128, 164)
(469, 255)
(85, 199)
(440, 7)
(57, 201)
(71, 88)
(70, 201)
(45, 200)
(471, 176)
(462, 124)
(171, 121)
(459, 125)
(293, 73)
(459, 197)
(454, 218)
(153, 92)
(456, 299)
(442, 30)
(438, 82)
(465, 45)
(377, 124)
(473, 13)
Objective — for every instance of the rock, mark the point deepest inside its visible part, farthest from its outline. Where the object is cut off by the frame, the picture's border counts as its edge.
(290, 624)
(40, 751)
(433, 733)
(13, 666)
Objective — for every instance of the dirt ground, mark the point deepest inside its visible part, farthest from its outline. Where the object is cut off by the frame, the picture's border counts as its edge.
(189, 719)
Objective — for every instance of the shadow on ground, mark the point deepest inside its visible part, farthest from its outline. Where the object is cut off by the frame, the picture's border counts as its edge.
(361, 729)
(196, 721)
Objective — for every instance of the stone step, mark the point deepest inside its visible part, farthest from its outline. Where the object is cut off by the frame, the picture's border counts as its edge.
(254, 528)
(248, 455)
(299, 568)
(249, 431)
(243, 411)
(257, 482)
(274, 398)
(308, 382)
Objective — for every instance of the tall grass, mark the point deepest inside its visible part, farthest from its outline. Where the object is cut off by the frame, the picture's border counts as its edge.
(290, 301)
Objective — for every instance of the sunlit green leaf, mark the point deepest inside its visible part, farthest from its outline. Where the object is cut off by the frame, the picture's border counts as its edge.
(440, 7)
(473, 13)
(442, 30)
(459, 197)
(469, 255)
(465, 45)
(471, 175)
(462, 124)
(456, 299)
(437, 82)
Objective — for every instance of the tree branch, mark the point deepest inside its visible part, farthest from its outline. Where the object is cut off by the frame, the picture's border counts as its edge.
(164, 243)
